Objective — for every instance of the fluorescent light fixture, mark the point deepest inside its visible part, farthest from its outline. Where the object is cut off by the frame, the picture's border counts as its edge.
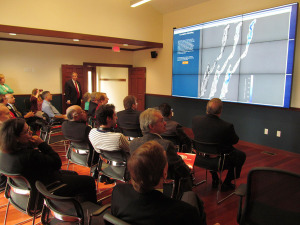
(12, 34)
(136, 3)
(125, 44)
(75, 39)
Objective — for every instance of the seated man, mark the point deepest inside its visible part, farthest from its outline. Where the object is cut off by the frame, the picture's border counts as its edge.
(4, 113)
(140, 203)
(212, 129)
(103, 137)
(152, 125)
(129, 118)
(174, 129)
(75, 127)
(49, 109)
(33, 121)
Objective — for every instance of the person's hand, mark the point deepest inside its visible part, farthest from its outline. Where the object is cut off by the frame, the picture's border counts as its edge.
(29, 114)
(68, 102)
(36, 140)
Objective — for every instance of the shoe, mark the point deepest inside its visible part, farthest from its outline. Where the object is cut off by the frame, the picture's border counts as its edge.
(215, 183)
(103, 179)
(109, 181)
(227, 187)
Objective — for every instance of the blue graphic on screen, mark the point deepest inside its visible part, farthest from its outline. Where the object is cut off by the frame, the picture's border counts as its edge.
(246, 59)
(186, 63)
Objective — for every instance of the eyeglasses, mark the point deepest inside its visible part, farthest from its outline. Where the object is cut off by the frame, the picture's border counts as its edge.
(28, 131)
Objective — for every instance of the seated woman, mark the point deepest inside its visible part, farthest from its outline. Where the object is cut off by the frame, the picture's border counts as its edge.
(140, 203)
(35, 100)
(4, 88)
(18, 154)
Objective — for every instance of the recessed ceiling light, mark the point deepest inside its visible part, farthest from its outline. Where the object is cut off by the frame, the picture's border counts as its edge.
(136, 3)
(75, 39)
(12, 34)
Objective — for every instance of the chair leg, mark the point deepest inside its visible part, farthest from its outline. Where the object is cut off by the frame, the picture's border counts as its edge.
(6, 213)
(219, 188)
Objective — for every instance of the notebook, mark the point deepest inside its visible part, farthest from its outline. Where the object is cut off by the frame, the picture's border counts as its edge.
(188, 158)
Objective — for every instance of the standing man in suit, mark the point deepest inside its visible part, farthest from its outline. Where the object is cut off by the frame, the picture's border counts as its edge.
(73, 91)
(212, 129)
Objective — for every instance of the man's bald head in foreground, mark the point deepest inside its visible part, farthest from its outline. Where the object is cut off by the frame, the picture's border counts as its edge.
(4, 113)
(76, 113)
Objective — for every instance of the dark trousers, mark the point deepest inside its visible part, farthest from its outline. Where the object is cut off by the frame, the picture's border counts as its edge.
(78, 185)
(236, 158)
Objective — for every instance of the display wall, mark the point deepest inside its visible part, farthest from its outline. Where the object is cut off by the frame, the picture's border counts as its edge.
(247, 58)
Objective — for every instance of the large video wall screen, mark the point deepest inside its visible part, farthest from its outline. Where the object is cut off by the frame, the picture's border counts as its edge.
(247, 58)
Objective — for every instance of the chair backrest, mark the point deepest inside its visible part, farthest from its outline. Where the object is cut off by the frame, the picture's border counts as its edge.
(80, 152)
(22, 195)
(60, 208)
(117, 164)
(27, 104)
(206, 148)
(272, 197)
(110, 219)
(131, 132)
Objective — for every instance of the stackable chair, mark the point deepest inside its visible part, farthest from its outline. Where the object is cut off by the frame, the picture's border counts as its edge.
(22, 196)
(272, 196)
(53, 128)
(112, 164)
(81, 153)
(131, 133)
(67, 210)
(210, 157)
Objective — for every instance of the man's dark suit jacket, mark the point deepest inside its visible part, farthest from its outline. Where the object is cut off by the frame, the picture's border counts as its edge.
(129, 119)
(71, 92)
(92, 109)
(212, 129)
(76, 130)
(177, 167)
(151, 208)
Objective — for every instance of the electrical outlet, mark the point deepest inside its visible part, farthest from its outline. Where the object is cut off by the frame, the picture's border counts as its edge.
(266, 131)
(278, 133)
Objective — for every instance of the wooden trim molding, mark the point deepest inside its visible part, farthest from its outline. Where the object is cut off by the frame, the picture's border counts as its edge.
(70, 35)
(105, 79)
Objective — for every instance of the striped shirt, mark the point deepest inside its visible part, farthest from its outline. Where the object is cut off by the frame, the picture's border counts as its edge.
(108, 141)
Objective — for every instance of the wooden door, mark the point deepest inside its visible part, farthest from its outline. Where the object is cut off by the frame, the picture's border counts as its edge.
(137, 85)
(67, 71)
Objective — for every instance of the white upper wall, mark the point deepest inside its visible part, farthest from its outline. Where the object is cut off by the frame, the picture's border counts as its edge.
(159, 71)
(112, 18)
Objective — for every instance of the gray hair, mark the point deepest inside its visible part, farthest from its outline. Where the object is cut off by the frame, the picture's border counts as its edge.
(147, 118)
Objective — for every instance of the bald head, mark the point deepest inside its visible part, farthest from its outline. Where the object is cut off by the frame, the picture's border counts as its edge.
(75, 113)
(4, 113)
(214, 107)
(10, 98)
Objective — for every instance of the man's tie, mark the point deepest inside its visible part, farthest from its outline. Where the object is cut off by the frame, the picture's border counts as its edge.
(76, 86)
(18, 114)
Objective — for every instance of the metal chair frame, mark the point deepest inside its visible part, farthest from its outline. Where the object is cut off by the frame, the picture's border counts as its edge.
(82, 148)
(213, 150)
(32, 204)
(50, 208)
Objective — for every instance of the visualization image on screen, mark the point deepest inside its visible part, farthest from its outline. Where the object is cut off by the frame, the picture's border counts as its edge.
(247, 58)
